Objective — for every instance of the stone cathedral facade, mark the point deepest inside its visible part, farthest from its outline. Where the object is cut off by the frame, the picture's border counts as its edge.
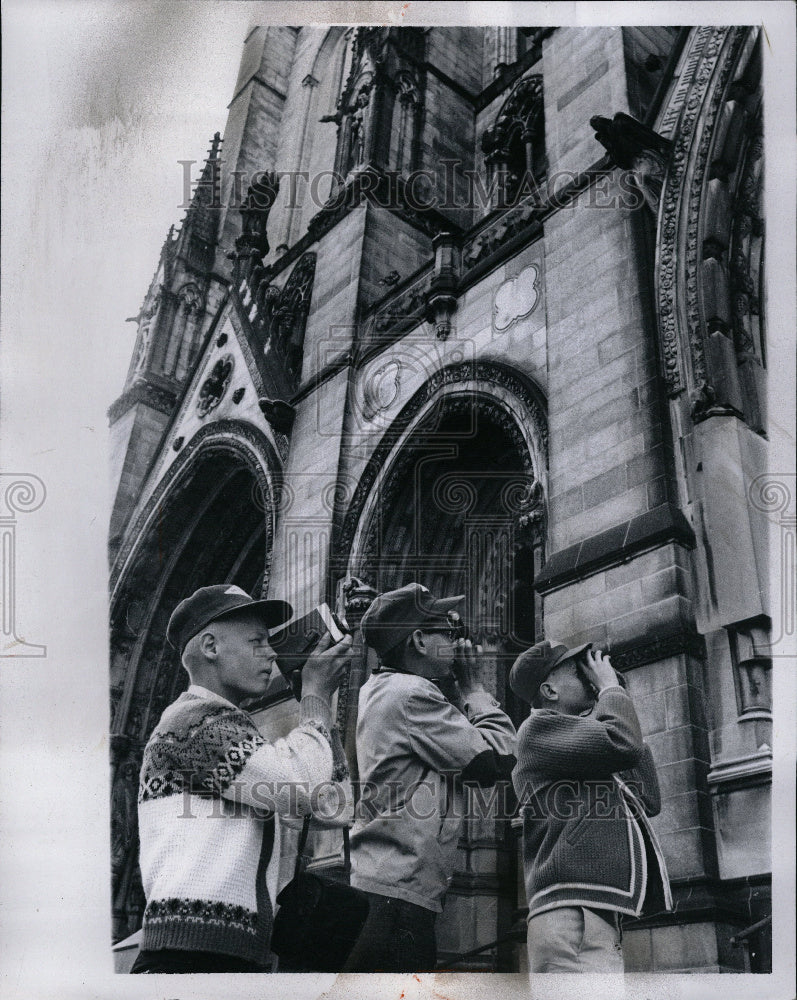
(483, 308)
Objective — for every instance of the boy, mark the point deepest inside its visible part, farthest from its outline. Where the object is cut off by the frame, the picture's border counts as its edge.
(212, 785)
(416, 750)
(586, 783)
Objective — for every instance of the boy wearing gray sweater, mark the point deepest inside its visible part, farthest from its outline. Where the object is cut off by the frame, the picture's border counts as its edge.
(586, 783)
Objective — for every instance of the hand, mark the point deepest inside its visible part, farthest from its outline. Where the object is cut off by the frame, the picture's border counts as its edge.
(599, 670)
(466, 666)
(326, 666)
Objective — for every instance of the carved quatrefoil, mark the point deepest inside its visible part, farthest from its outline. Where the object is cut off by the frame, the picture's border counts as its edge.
(215, 385)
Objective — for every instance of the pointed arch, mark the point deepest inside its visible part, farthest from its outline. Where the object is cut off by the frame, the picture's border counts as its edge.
(513, 400)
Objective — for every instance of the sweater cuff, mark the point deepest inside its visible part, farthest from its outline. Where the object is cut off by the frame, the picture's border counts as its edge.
(315, 709)
(612, 687)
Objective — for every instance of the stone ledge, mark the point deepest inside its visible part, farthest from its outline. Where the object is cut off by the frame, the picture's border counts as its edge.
(700, 898)
(157, 397)
(741, 772)
(663, 524)
(652, 648)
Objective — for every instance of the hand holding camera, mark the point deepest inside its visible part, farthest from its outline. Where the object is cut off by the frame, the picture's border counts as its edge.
(466, 665)
(316, 647)
(326, 666)
(599, 672)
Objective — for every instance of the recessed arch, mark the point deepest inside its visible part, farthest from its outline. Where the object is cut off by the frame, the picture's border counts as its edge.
(235, 436)
(453, 497)
(508, 390)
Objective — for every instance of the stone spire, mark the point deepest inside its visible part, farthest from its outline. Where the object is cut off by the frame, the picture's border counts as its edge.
(200, 229)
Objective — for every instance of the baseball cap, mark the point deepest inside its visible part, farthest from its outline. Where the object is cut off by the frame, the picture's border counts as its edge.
(396, 613)
(209, 603)
(533, 665)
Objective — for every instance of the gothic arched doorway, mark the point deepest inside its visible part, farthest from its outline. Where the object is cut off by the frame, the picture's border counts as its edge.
(450, 515)
(453, 497)
(212, 524)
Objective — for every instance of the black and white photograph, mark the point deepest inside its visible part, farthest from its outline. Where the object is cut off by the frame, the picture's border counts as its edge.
(399, 500)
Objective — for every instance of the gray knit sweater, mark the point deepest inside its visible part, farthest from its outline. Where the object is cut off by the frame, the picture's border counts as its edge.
(586, 786)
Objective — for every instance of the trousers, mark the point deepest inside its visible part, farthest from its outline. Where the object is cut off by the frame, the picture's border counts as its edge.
(575, 939)
(397, 936)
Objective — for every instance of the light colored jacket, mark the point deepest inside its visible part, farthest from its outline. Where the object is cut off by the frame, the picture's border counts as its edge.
(411, 746)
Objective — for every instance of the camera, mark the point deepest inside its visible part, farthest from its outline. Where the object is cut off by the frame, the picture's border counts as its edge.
(295, 642)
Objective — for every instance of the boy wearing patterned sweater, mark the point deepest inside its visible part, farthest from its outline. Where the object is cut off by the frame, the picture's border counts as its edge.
(586, 783)
(211, 786)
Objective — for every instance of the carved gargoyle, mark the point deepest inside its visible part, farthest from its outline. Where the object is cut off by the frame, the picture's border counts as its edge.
(634, 147)
(279, 414)
(255, 210)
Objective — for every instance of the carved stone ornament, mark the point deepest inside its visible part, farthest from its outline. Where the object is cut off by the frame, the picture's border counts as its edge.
(279, 414)
(497, 233)
(516, 298)
(381, 388)
(691, 118)
(403, 310)
(703, 401)
(634, 147)
(156, 397)
(255, 210)
(358, 596)
(279, 316)
(215, 385)
(531, 513)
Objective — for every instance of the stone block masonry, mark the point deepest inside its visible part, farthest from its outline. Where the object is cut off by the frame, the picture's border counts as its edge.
(605, 408)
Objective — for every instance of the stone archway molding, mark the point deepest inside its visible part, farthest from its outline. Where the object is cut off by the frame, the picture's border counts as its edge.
(691, 272)
(506, 391)
(242, 439)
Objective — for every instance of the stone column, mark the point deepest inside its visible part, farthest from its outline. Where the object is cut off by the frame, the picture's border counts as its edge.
(358, 597)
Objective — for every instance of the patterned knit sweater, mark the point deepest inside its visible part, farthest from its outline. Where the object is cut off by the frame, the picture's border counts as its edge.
(586, 787)
(209, 791)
